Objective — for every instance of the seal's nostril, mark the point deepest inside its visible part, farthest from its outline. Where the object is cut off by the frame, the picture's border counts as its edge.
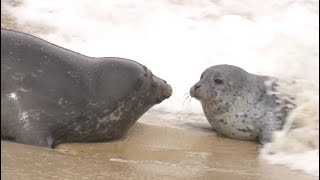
(197, 86)
(168, 93)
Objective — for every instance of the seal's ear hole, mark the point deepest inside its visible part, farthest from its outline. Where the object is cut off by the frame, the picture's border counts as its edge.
(138, 84)
(218, 81)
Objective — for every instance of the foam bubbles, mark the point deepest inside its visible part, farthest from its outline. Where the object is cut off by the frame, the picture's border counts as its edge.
(13, 96)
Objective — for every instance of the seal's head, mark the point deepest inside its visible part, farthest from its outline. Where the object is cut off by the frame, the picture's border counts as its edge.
(161, 89)
(236, 103)
(128, 80)
(219, 83)
(156, 88)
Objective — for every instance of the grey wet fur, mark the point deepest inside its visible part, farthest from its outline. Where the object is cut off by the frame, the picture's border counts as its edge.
(237, 105)
(51, 95)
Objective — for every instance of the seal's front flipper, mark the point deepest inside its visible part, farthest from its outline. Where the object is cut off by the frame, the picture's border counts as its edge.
(265, 136)
(38, 139)
(51, 142)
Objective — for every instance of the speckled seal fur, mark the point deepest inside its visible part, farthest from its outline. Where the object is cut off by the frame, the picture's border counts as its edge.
(237, 104)
(50, 95)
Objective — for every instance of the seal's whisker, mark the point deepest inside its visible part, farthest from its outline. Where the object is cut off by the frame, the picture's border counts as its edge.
(171, 104)
(173, 88)
(189, 102)
(187, 94)
(188, 97)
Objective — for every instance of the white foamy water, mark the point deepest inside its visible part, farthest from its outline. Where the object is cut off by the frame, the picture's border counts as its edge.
(178, 39)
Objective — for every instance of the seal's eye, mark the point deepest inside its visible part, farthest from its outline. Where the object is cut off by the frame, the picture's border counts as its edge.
(218, 81)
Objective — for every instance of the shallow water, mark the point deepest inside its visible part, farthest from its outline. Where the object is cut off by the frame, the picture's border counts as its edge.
(278, 38)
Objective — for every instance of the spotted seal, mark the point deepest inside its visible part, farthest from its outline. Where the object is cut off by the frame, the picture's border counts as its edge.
(237, 104)
(51, 95)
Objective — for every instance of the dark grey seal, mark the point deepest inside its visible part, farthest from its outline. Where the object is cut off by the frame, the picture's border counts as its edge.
(237, 104)
(50, 95)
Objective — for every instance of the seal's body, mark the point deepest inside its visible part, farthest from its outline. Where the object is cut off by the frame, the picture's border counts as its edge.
(237, 105)
(50, 95)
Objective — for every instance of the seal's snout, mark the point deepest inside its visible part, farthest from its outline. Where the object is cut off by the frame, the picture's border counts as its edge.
(192, 93)
(168, 91)
(164, 90)
(193, 90)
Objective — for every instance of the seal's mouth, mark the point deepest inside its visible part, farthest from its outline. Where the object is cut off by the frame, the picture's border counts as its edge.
(158, 100)
(167, 93)
(164, 90)
(193, 91)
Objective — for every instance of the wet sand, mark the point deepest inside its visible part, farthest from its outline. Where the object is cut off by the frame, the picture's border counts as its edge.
(149, 152)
